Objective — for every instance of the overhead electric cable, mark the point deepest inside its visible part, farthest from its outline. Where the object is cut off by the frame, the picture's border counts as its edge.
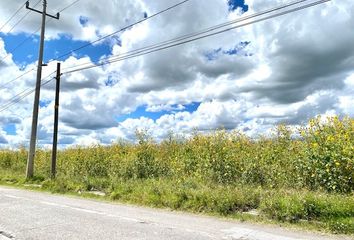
(86, 45)
(21, 43)
(69, 6)
(21, 19)
(18, 97)
(9, 20)
(120, 30)
(14, 102)
(37, 30)
(187, 36)
(160, 47)
(25, 40)
(13, 80)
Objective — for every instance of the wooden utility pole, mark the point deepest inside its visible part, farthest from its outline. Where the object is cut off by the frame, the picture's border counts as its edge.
(32, 149)
(56, 121)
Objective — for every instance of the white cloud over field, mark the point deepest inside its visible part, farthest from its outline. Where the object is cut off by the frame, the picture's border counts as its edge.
(295, 67)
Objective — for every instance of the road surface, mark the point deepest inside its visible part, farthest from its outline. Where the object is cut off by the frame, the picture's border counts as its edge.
(34, 215)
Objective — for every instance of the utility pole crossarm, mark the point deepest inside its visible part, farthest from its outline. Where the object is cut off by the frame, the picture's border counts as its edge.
(35, 10)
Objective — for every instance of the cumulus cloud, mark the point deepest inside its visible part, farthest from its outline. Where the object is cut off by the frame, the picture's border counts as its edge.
(101, 18)
(3, 140)
(307, 52)
(294, 67)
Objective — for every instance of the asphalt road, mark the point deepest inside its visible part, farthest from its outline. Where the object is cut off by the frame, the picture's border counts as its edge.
(33, 215)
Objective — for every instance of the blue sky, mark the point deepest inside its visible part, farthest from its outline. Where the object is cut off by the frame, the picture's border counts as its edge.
(28, 53)
(235, 4)
(248, 79)
(53, 48)
(64, 44)
(142, 111)
(10, 129)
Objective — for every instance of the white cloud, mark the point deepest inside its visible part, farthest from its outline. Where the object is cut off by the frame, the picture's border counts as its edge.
(301, 66)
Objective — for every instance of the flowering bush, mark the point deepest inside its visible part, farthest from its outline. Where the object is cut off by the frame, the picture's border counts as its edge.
(321, 157)
(329, 154)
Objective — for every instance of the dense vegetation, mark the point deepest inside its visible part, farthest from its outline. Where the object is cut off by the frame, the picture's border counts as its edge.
(302, 176)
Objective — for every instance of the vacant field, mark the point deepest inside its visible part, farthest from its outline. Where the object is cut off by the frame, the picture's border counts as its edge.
(303, 177)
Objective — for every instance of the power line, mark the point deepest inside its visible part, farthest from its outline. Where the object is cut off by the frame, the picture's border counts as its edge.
(89, 44)
(18, 95)
(120, 30)
(13, 80)
(23, 18)
(21, 43)
(18, 22)
(69, 6)
(25, 40)
(173, 43)
(16, 101)
(9, 20)
(36, 102)
(25, 93)
(36, 31)
(187, 36)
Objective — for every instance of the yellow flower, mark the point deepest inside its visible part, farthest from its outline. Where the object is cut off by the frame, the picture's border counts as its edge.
(330, 138)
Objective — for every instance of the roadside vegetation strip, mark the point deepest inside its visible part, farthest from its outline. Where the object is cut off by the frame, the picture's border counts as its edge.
(303, 180)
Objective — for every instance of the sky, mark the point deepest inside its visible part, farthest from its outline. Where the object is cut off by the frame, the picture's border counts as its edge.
(282, 70)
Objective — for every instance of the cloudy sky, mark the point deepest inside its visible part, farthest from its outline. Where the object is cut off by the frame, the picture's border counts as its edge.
(283, 70)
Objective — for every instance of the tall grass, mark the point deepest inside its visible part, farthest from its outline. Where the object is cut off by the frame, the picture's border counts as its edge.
(292, 175)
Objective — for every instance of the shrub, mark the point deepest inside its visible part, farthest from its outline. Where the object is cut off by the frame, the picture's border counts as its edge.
(329, 154)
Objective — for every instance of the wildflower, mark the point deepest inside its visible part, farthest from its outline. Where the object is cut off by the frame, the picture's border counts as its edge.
(330, 138)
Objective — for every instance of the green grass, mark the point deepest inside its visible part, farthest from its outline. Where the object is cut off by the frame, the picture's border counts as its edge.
(306, 181)
(326, 212)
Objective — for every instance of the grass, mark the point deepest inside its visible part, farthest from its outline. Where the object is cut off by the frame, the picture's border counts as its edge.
(305, 181)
